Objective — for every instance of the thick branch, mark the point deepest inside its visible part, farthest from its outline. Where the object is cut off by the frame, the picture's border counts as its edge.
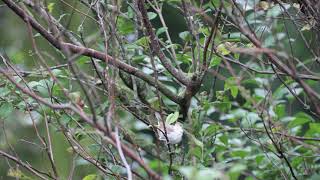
(91, 52)
(50, 19)
(155, 47)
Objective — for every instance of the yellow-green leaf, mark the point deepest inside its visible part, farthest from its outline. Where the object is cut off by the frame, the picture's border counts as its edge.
(50, 7)
(173, 117)
(91, 177)
(222, 49)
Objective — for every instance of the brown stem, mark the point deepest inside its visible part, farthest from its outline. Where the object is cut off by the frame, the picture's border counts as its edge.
(25, 165)
(90, 52)
(155, 46)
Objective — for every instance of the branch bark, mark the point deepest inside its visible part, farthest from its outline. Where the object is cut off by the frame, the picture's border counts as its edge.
(83, 116)
(26, 166)
(155, 46)
(90, 52)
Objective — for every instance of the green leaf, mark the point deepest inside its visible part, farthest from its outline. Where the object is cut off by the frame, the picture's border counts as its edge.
(4, 91)
(300, 119)
(296, 161)
(197, 142)
(240, 153)
(194, 139)
(173, 117)
(5, 110)
(151, 15)
(235, 171)
(57, 72)
(211, 129)
(184, 58)
(259, 92)
(236, 56)
(50, 7)
(222, 106)
(234, 91)
(259, 159)
(144, 42)
(224, 139)
(238, 168)
(19, 57)
(174, 46)
(280, 110)
(44, 87)
(125, 26)
(222, 49)
(215, 61)
(230, 84)
(91, 177)
(185, 35)
(161, 30)
(314, 129)
(155, 103)
(33, 84)
(139, 58)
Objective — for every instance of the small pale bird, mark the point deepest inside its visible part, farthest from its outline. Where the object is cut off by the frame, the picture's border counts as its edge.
(174, 133)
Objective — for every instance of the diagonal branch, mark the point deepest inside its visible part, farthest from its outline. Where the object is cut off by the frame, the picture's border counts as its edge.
(91, 52)
(50, 19)
(155, 47)
(313, 96)
(25, 165)
(100, 128)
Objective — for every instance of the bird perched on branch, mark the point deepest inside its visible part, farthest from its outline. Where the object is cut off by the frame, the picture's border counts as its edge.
(170, 131)
(174, 133)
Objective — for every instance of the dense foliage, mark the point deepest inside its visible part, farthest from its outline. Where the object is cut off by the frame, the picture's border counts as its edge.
(103, 89)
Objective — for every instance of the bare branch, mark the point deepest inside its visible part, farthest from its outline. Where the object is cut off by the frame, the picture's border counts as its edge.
(91, 53)
(26, 166)
(179, 75)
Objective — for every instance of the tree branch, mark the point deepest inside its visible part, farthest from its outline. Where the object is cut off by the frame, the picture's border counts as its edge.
(155, 46)
(91, 52)
(26, 166)
(83, 116)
